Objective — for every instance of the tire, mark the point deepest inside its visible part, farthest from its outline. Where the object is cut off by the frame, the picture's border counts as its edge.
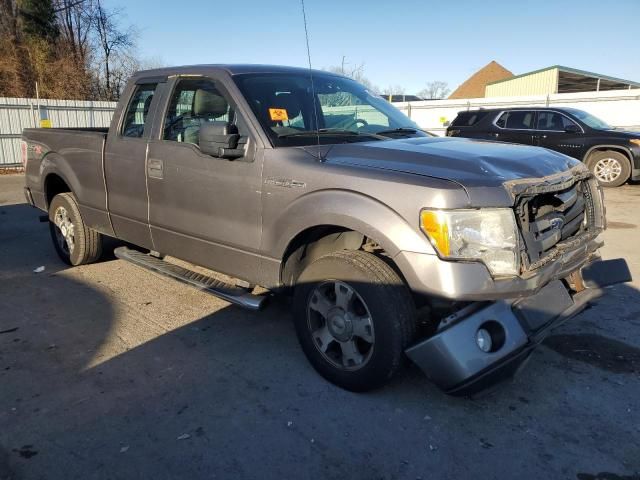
(364, 348)
(78, 244)
(610, 168)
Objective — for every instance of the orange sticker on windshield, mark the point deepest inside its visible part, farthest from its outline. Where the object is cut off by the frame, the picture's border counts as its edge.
(278, 114)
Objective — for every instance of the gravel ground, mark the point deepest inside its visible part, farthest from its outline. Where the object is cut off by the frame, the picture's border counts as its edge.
(108, 371)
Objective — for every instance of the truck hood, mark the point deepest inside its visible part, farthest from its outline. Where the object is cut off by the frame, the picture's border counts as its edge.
(478, 166)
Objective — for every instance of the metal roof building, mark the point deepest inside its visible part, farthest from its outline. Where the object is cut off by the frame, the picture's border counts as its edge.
(556, 79)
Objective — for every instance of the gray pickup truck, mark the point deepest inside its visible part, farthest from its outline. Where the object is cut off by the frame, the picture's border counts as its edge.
(458, 254)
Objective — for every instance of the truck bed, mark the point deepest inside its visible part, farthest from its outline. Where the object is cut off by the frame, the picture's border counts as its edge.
(76, 155)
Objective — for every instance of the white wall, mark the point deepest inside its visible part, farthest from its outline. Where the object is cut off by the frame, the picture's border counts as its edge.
(19, 113)
(619, 108)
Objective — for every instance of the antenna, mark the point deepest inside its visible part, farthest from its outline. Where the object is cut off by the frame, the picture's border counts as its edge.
(313, 90)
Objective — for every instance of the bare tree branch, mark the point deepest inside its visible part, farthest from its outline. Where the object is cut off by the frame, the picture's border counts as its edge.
(435, 90)
(115, 44)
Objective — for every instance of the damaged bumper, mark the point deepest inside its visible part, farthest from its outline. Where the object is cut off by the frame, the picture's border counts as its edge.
(488, 341)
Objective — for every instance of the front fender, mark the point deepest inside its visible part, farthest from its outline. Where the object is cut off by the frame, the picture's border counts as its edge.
(348, 209)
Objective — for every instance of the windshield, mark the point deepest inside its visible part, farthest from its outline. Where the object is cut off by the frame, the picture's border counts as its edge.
(347, 111)
(591, 120)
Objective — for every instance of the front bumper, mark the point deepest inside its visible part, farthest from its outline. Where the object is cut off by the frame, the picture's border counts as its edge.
(471, 281)
(452, 359)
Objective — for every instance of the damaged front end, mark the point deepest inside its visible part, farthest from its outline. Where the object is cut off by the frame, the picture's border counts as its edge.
(556, 215)
(559, 219)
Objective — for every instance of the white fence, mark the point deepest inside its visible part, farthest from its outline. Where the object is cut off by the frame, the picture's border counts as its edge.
(19, 113)
(619, 108)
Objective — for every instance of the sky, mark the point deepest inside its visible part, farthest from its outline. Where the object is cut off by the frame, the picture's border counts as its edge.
(401, 42)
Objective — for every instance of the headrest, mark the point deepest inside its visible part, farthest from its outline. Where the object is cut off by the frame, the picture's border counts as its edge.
(209, 104)
(288, 101)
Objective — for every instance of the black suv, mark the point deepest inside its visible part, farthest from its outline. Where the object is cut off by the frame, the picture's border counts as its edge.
(612, 155)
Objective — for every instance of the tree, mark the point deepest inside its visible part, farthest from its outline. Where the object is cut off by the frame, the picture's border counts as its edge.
(356, 72)
(435, 90)
(10, 38)
(115, 50)
(394, 90)
(8, 19)
(38, 19)
(73, 49)
(75, 21)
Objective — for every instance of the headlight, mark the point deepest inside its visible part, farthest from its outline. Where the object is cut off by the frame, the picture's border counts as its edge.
(635, 141)
(488, 235)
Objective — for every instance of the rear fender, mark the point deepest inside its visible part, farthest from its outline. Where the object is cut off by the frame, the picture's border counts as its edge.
(55, 164)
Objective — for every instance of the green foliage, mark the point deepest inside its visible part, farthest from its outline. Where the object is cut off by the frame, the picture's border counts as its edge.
(38, 19)
(72, 49)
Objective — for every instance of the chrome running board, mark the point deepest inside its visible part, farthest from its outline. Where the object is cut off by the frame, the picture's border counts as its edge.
(231, 293)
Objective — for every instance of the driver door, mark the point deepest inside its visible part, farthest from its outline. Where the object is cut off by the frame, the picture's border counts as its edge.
(559, 133)
(203, 209)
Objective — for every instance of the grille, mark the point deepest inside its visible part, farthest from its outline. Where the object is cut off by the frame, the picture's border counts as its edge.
(551, 219)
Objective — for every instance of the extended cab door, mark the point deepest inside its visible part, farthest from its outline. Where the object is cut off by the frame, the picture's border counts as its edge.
(125, 162)
(515, 126)
(558, 132)
(204, 209)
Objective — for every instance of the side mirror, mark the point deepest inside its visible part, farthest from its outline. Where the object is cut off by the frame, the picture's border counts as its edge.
(572, 128)
(220, 139)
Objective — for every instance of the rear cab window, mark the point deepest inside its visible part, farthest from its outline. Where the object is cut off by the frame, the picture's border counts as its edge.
(137, 114)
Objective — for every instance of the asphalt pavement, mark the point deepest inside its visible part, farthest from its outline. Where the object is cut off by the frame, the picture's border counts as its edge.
(108, 371)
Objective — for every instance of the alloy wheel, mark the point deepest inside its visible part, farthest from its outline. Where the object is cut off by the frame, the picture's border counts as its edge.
(341, 325)
(607, 170)
(65, 230)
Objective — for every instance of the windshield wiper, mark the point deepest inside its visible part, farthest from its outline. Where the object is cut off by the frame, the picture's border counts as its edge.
(398, 130)
(332, 131)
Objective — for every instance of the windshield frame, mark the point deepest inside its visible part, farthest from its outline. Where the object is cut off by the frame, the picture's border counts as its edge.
(396, 118)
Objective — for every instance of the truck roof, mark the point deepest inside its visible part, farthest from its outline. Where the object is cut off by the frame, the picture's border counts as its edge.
(232, 69)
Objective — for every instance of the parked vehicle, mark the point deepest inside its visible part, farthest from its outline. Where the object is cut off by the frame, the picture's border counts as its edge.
(401, 98)
(612, 155)
(462, 254)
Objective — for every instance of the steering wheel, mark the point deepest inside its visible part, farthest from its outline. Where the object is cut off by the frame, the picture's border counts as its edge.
(354, 123)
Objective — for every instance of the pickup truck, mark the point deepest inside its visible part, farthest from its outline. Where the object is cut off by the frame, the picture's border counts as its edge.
(458, 254)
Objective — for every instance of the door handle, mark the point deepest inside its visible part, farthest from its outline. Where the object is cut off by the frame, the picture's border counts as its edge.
(155, 168)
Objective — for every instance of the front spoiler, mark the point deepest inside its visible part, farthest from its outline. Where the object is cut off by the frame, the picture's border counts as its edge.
(454, 362)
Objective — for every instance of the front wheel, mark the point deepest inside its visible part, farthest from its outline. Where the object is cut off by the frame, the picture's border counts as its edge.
(75, 243)
(354, 317)
(610, 168)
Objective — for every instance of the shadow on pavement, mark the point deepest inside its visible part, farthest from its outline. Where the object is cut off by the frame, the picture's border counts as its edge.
(231, 396)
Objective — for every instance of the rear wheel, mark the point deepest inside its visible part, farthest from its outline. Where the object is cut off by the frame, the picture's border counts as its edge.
(75, 243)
(354, 317)
(610, 168)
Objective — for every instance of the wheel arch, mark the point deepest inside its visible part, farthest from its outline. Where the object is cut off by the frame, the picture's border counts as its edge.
(604, 147)
(54, 184)
(340, 220)
(311, 244)
(55, 171)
